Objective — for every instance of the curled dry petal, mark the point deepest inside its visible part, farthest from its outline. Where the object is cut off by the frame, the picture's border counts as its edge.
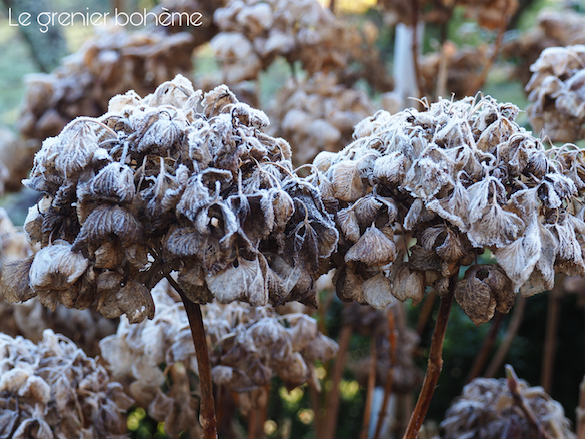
(56, 267)
(373, 249)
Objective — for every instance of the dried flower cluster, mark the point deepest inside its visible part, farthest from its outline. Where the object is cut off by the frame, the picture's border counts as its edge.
(463, 67)
(136, 352)
(249, 346)
(459, 177)
(554, 28)
(486, 410)
(253, 344)
(54, 390)
(114, 63)
(488, 13)
(253, 33)
(154, 186)
(557, 93)
(318, 115)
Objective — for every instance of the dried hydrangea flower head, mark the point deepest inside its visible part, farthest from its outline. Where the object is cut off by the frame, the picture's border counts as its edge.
(459, 177)
(250, 346)
(557, 93)
(136, 352)
(254, 344)
(555, 28)
(54, 390)
(155, 185)
(318, 115)
(254, 33)
(488, 13)
(118, 61)
(486, 410)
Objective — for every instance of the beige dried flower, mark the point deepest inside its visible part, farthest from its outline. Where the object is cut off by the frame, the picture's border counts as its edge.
(486, 409)
(54, 390)
(249, 346)
(318, 115)
(460, 177)
(177, 181)
(556, 92)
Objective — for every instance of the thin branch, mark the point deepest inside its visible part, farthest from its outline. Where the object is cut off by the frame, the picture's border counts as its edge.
(370, 393)
(513, 327)
(477, 84)
(521, 402)
(415, 12)
(332, 407)
(550, 341)
(425, 312)
(488, 343)
(207, 407)
(390, 376)
(435, 364)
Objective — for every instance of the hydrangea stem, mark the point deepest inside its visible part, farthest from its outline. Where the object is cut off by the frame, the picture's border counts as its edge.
(435, 364)
(389, 377)
(207, 409)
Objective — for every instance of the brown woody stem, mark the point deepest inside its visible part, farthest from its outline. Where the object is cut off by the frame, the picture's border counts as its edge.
(550, 341)
(435, 364)
(521, 402)
(332, 405)
(371, 385)
(389, 377)
(207, 408)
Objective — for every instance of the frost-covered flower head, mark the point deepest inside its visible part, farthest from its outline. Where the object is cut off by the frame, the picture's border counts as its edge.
(248, 347)
(54, 390)
(459, 177)
(557, 92)
(486, 410)
(176, 181)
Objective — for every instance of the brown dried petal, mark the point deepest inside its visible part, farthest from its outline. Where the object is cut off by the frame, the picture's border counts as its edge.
(347, 220)
(106, 220)
(475, 297)
(378, 291)
(241, 280)
(373, 249)
(57, 267)
(409, 284)
(347, 182)
(133, 299)
(15, 281)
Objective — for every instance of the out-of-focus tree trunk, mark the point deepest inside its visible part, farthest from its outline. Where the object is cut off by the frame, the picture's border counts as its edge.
(47, 48)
